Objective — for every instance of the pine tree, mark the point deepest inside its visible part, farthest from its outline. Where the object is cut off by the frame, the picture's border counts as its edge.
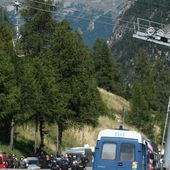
(108, 73)
(142, 93)
(79, 100)
(36, 32)
(9, 91)
(38, 27)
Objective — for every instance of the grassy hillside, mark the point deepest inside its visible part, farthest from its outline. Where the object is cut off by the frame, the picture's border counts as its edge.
(84, 135)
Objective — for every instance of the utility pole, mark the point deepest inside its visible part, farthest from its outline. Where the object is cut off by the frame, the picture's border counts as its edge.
(165, 127)
(167, 144)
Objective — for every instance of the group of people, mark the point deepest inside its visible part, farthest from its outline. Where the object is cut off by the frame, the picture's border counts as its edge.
(53, 162)
(13, 162)
(64, 162)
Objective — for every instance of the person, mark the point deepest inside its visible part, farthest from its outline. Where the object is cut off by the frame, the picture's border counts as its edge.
(42, 160)
(84, 160)
(15, 161)
(26, 161)
(10, 163)
(58, 159)
(21, 163)
(48, 161)
(75, 163)
(65, 163)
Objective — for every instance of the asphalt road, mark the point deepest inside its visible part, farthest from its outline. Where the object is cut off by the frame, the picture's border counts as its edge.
(87, 168)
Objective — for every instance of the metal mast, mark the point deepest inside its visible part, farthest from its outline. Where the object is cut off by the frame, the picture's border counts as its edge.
(15, 41)
(167, 144)
(165, 127)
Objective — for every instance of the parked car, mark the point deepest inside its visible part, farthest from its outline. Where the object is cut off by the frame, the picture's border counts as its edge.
(2, 160)
(33, 163)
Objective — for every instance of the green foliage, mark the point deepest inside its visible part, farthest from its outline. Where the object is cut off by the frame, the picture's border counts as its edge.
(146, 94)
(38, 28)
(3, 15)
(76, 80)
(146, 77)
(108, 74)
(9, 91)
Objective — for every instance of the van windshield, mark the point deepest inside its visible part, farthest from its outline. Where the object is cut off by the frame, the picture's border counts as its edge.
(127, 152)
(109, 151)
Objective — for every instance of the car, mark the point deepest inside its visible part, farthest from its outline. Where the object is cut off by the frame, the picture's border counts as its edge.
(33, 163)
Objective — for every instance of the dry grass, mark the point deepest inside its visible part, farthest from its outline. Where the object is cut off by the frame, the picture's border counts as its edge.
(113, 101)
(87, 134)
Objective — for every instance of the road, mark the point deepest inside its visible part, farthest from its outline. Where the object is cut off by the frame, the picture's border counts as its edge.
(87, 168)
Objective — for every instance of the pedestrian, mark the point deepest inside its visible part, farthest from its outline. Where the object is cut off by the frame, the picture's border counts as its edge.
(15, 161)
(9, 162)
(48, 161)
(84, 160)
(26, 161)
(22, 163)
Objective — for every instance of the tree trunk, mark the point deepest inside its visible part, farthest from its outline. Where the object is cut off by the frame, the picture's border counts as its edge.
(12, 134)
(59, 137)
(41, 128)
(36, 134)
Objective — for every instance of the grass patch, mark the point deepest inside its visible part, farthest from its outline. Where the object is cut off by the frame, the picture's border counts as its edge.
(75, 136)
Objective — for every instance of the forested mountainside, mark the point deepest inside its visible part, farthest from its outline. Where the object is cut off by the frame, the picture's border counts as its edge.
(48, 75)
(145, 65)
(125, 47)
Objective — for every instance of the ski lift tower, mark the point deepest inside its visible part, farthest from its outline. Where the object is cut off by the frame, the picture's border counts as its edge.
(17, 38)
(152, 31)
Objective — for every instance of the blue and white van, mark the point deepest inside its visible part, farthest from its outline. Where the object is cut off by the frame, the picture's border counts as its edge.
(121, 150)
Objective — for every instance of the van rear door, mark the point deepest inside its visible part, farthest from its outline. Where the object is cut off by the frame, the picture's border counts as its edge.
(116, 154)
(128, 156)
(106, 154)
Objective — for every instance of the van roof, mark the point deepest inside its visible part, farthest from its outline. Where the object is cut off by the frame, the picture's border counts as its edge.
(122, 134)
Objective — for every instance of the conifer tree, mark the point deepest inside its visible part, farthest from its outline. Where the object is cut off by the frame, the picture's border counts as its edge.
(79, 99)
(108, 73)
(36, 32)
(9, 91)
(141, 94)
(38, 27)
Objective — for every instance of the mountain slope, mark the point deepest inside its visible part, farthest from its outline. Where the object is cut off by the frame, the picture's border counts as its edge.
(85, 135)
(125, 47)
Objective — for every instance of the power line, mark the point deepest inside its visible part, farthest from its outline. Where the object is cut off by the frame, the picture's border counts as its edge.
(87, 19)
(104, 22)
(78, 17)
(43, 3)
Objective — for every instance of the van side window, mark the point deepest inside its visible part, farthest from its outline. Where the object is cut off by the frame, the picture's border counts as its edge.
(127, 152)
(109, 151)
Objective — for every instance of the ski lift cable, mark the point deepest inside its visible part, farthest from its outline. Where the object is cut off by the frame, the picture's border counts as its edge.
(104, 22)
(143, 2)
(87, 19)
(44, 3)
(57, 6)
(107, 17)
(78, 17)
